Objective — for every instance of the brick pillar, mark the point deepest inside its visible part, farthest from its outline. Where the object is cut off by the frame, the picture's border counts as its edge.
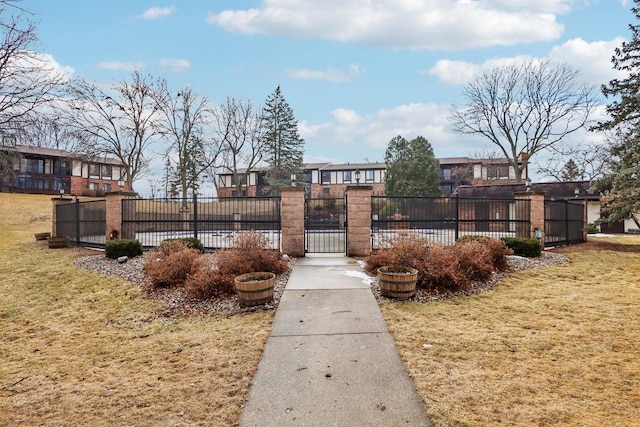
(57, 201)
(536, 214)
(114, 216)
(358, 220)
(292, 219)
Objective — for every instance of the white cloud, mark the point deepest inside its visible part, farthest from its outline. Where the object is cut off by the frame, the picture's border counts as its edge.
(175, 65)
(122, 66)
(368, 134)
(591, 59)
(330, 75)
(50, 65)
(157, 12)
(407, 24)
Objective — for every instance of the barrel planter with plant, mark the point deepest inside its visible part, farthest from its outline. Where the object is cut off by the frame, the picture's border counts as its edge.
(255, 288)
(58, 242)
(397, 281)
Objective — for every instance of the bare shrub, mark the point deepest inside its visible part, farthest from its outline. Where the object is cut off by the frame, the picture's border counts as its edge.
(441, 269)
(499, 250)
(206, 281)
(399, 250)
(169, 264)
(475, 259)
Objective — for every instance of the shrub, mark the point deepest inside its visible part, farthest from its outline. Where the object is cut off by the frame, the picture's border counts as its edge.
(170, 264)
(400, 250)
(206, 281)
(441, 270)
(592, 229)
(475, 259)
(122, 247)
(523, 247)
(191, 242)
(498, 248)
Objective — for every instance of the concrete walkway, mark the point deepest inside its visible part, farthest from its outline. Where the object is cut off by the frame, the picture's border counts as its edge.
(330, 360)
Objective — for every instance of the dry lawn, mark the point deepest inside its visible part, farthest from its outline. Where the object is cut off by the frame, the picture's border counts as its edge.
(555, 346)
(78, 348)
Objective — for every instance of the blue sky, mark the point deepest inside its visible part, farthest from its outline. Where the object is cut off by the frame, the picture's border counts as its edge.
(355, 72)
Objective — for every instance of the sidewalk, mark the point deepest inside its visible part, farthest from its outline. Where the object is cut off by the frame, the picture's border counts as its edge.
(329, 360)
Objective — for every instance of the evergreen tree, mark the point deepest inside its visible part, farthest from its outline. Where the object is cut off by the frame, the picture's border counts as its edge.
(412, 168)
(283, 146)
(571, 172)
(623, 198)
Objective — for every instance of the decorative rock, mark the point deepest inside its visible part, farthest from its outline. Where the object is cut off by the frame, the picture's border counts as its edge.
(123, 259)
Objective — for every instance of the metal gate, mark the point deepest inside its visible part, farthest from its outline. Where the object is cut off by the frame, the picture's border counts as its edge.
(325, 225)
(84, 222)
(564, 222)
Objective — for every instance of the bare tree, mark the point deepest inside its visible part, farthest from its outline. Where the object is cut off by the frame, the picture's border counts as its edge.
(585, 162)
(47, 131)
(119, 122)
(182, 121)
(28, 80)
(238, 128)
(525, 108)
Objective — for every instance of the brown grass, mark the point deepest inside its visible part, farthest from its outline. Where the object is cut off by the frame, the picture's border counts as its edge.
(554, 346)
(78, 348)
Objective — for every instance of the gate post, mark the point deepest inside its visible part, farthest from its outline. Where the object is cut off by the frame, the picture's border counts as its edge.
(292, 220)
(536, 214)
(358, 220)
(114, 216)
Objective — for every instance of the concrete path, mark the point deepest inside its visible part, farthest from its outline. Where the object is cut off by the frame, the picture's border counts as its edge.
(330, 360)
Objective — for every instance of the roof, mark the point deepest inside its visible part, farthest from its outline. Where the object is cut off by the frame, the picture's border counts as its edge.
(354, 166)
(551, 190)
(63, 154)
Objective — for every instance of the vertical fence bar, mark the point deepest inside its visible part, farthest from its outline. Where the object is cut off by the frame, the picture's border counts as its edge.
(195, 215)
(457, 218)
(77, 211)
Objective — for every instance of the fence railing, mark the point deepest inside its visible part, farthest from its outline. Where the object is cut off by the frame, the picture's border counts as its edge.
(215, 221)
(445, 219)
(563, 222)
(84, 222)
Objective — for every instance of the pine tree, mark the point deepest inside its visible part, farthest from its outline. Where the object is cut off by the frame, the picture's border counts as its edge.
(412, 168)
(282, 144)
(623, 198)
(571, 172)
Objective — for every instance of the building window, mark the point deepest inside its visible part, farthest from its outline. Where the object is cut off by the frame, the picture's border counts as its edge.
(61, 167)
(326, 177)
(106, 187)
(106, 172)
(94, 170)
(32, 165)
(446, 189)
(94, 186)
(325, 191)
(445, 174)
(497, 172)
(369, 175)
(346, 176)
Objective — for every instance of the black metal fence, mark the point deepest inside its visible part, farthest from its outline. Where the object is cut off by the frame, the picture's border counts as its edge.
(215, 221)
(563, 222)
(84, 222)
(445, 219)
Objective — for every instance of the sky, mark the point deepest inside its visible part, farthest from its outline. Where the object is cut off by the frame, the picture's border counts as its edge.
(356, 73)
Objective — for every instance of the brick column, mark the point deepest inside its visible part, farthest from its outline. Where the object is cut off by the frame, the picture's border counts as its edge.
(358, 220)
(536, 213)
(114, 216)
(292, 220)
(57, 201)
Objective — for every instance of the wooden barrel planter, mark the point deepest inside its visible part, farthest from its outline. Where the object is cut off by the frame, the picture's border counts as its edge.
(397, 281)
(42, 236)
(255, 288)
(58, 242)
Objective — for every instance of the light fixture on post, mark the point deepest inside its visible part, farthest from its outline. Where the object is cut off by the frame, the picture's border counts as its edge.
(293, 179)
(120, 185)
(527, 182)
(62, 193)
(576, 192)
(357, 174)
